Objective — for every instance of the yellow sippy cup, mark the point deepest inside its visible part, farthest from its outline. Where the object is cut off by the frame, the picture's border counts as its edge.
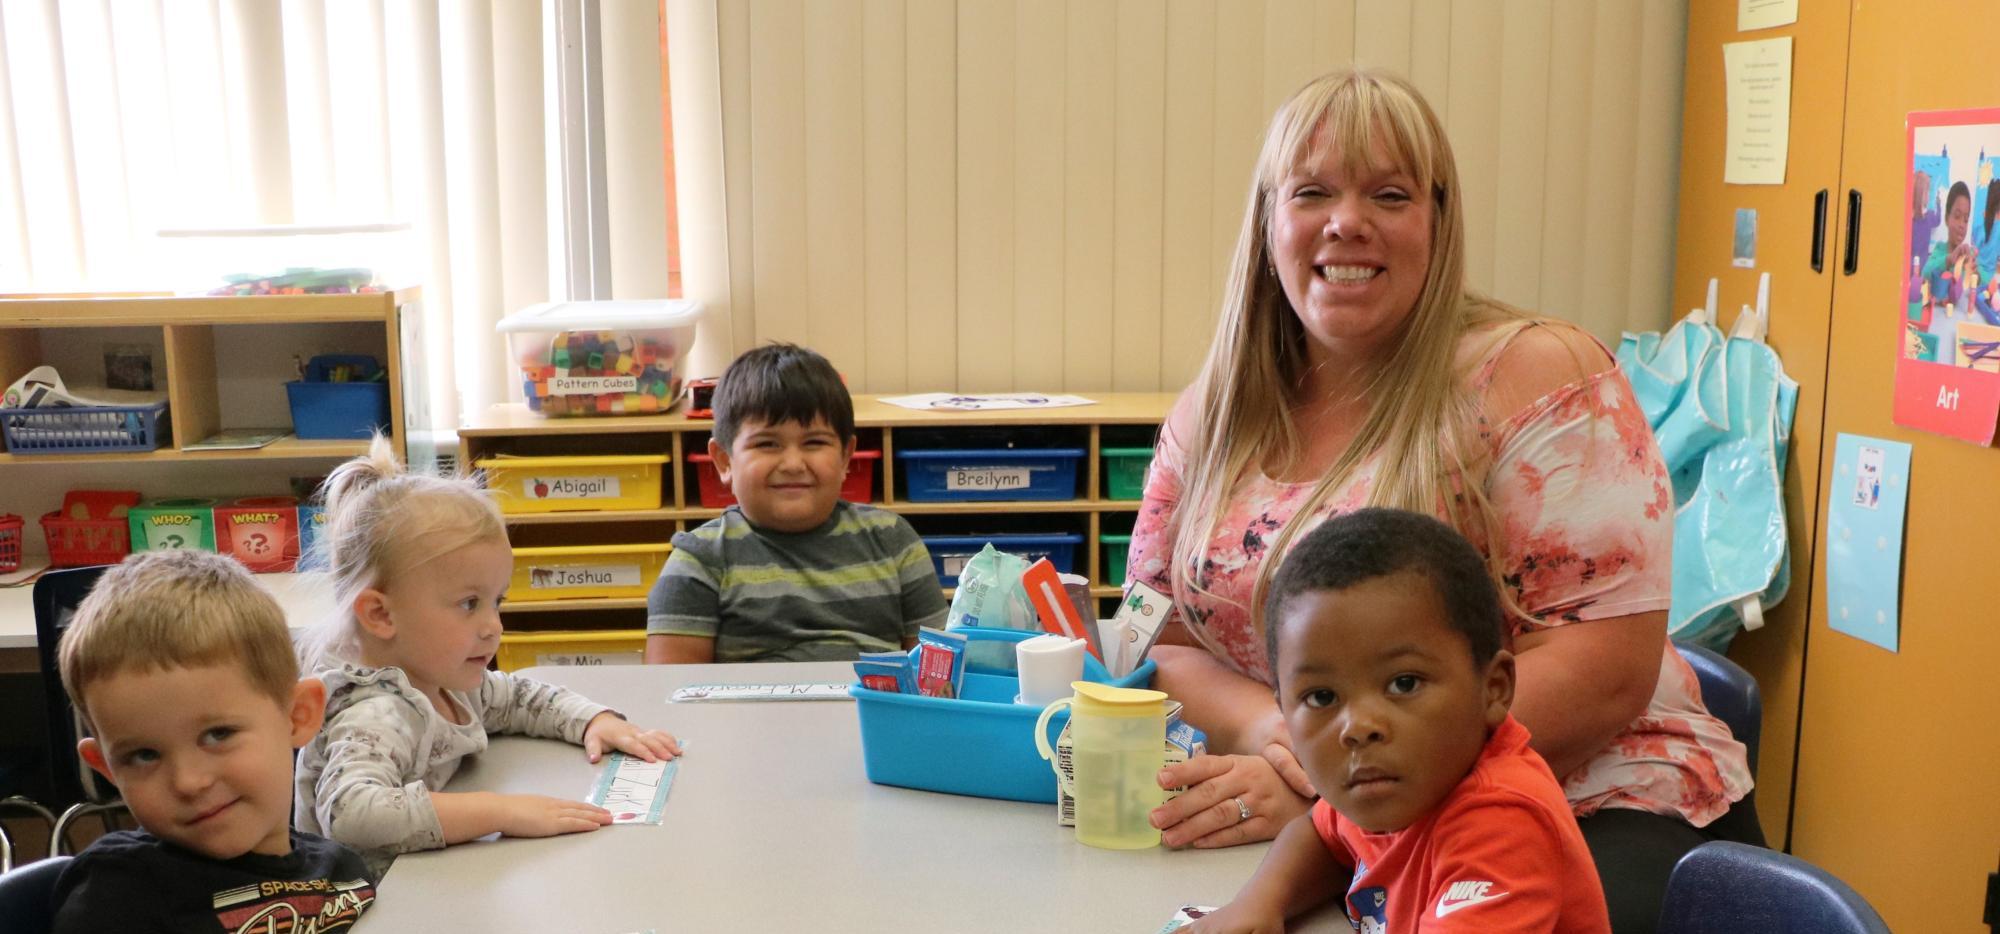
(1118, 735)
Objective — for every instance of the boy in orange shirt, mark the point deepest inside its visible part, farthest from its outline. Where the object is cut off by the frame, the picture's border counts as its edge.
(1386, 635)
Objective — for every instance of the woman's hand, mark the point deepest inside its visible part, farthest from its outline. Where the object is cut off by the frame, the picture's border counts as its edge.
(1220, 788)
(609, 731)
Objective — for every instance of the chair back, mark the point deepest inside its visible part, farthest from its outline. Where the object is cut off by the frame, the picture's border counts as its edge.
(1730, 693)
(57, 595)
(27, 895)
(1723, 887)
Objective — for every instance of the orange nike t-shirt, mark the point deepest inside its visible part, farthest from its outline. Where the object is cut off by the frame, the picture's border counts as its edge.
(1500, 853)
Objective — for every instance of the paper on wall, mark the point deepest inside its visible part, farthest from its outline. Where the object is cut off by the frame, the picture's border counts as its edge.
(1758, 76)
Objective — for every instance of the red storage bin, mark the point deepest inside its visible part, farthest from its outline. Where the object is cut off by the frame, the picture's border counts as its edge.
(260, 531)
(10, 543)
(91, 528)
(857, 487)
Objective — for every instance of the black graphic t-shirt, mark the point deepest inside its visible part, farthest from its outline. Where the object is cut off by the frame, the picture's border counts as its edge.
(133, 881)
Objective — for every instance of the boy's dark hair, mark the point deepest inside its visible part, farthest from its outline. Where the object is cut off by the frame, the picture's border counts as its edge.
(780, 383)
(1371, 543)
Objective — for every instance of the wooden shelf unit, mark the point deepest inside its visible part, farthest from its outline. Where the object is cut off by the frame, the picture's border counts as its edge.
(221, 362)
(32, 331)
(512, 428)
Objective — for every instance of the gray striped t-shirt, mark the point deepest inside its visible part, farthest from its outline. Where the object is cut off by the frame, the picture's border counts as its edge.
(861, 582)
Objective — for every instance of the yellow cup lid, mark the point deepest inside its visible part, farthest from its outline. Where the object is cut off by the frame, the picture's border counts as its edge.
(1103, 700)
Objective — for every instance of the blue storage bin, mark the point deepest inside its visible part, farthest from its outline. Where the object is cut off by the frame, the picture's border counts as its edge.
(323, 410)
(989, 475)
(950, 552)
(84, 429)
(980, 743)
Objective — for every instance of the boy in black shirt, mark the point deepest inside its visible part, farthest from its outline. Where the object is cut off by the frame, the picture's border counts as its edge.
(182, 667)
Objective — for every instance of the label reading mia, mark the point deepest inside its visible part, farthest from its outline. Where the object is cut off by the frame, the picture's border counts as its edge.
(583, 575)
(986, 479)
(588, 658)
(570, 487)
(592, 385)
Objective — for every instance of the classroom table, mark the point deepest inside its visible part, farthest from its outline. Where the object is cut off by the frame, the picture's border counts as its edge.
(305, 598)
(772, 825)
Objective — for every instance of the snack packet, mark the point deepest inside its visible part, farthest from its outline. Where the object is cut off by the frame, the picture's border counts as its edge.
(940, 663)
(885, 671)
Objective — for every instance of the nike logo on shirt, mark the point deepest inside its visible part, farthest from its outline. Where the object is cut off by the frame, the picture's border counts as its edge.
(1465, 895)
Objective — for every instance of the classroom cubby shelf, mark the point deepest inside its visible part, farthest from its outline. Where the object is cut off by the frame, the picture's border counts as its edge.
(1117, 420)
(40, 329)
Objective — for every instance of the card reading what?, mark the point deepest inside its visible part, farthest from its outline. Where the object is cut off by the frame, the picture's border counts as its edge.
(634, 790)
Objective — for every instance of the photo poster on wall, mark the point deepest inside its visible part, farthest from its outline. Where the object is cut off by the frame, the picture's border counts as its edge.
(1948, 353)
(1866, 505)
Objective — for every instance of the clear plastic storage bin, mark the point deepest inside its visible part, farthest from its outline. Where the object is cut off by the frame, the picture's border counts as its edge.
(601, 358)
(286, 259)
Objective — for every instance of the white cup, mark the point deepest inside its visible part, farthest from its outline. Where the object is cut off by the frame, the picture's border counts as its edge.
(1048, 665)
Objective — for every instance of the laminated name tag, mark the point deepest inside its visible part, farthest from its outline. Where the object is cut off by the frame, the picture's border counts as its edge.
(634, 790)
(761, 692)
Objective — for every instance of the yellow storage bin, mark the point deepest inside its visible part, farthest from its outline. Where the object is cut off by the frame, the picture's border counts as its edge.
(569, 571)
(527, 649)
(565, 484)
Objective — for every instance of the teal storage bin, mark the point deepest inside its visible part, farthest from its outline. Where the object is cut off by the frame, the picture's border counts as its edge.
(980, 743)
(1125, 472)
(1115, 548)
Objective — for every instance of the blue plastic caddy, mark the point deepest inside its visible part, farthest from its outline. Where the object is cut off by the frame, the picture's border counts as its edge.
(980, 743)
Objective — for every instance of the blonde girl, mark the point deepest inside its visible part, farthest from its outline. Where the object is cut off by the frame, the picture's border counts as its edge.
(419, 565)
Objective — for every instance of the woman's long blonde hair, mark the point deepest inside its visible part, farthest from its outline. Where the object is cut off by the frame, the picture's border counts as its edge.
(384, 520)
(1423, 424)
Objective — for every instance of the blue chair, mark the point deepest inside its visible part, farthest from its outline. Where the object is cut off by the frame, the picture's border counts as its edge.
(1723, 888)
(1730, 693)
(27, 895)
(57, 595)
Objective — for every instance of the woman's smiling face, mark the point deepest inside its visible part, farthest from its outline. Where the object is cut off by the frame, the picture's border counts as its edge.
(1351, 245)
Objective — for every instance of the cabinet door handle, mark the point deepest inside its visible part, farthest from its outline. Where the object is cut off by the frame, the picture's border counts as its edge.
(1819, 232)
(1853, 259)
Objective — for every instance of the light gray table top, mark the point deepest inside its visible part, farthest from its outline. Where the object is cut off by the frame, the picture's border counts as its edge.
(772, 825)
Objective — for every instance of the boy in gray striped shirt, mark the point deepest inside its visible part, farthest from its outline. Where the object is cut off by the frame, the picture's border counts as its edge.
(791, 572)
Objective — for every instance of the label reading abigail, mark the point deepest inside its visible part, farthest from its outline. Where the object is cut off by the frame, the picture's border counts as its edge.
(570, 487)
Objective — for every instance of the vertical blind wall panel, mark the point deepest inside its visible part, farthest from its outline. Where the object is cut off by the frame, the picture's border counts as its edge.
(1188, 256)
(931, 216)
(1044, 194)
(884, 209)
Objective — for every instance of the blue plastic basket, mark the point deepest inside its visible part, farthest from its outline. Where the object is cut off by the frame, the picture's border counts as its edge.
(333, 411)
(93, 429)
(990, 475)
(980, 743)
(950, 552)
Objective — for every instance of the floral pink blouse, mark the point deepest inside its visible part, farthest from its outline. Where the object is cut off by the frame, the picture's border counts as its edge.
(1587, 513)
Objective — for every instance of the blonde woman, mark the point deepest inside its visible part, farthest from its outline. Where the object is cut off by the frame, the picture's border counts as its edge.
(1352, 366)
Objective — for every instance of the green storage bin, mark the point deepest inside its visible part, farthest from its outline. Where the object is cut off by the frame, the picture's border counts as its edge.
(1126, 470)
(173, 523)
(1115, 547)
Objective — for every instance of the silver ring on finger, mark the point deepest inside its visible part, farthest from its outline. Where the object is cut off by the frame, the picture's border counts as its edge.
(1242, 810)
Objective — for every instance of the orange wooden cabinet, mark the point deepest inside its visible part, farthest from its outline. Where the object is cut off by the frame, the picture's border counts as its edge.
(1879, 766)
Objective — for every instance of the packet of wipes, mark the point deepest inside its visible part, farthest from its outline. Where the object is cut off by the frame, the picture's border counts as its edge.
(940, 663)
(885, 671)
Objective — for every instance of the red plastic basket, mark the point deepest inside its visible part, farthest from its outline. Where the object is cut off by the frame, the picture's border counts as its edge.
(857, 487)
(10, 543)
(91, 528)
